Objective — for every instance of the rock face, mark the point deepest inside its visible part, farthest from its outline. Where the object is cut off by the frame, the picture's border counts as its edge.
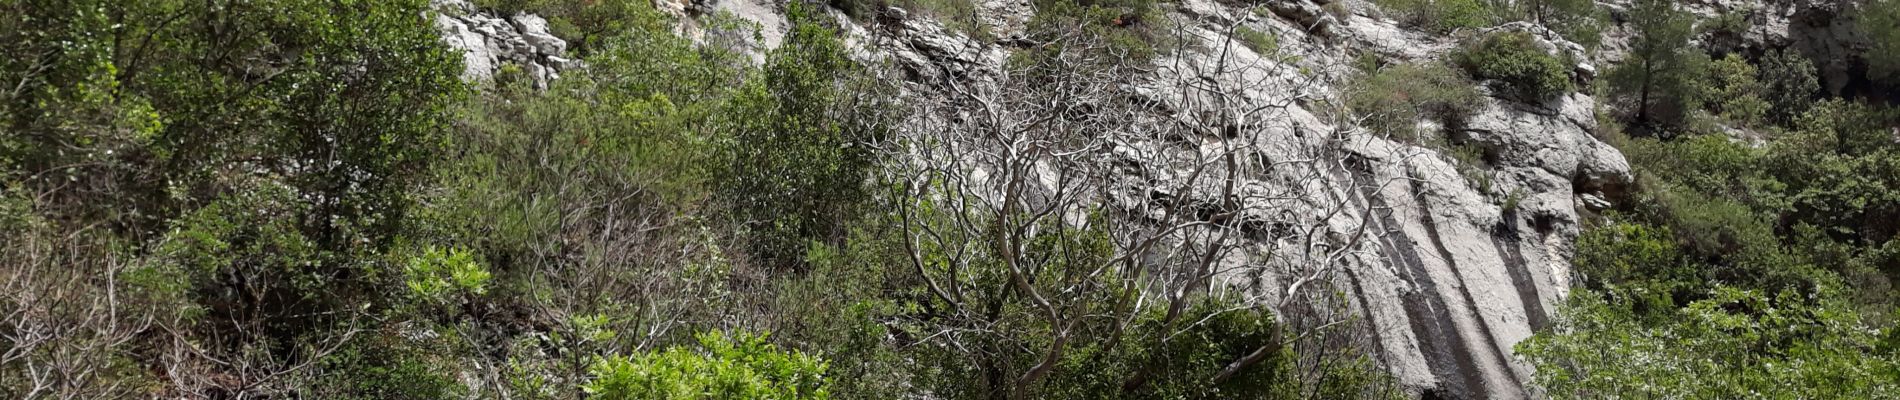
(489, 42)
(1462, 261)
(1460, 270)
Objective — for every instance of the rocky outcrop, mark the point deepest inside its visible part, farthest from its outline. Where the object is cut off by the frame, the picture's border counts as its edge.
(489, 42)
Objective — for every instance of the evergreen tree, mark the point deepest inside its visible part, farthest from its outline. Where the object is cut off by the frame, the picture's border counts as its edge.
(1657, 82)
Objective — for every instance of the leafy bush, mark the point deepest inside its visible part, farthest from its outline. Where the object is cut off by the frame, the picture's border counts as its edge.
(1394, 99)
(1789, 85)
(1441, 15)
(740, 366)
(1734, 92)
(1521, 67)
(799, 162)
(1733, 344)
(385, 367)
(1880, 19)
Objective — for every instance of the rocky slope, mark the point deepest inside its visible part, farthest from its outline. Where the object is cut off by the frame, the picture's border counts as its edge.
(1456, 270)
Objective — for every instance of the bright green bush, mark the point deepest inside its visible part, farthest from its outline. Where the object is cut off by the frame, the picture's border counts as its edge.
(740, 366)
(1517, 64)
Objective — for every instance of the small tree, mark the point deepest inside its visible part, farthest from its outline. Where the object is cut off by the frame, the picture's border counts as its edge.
(1788, 84)
(1657, 83)
(1881, 21)
(801, 157)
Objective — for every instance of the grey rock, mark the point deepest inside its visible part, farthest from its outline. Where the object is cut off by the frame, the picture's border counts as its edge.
(489, 42)
(534, 30)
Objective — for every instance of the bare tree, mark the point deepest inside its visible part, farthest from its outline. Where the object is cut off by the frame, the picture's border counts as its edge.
(1202, 171)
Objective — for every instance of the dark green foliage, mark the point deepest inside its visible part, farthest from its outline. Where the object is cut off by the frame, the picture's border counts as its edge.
(1842, 171)
(1789, 85)
(1519, 67)
(1744, 270)
(1657, 84)
(1880, 20)
(1395, 98)
(800, 161)
(385, 367)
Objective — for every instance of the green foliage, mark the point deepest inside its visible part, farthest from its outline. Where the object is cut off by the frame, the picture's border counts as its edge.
(583, 23)
(1880, 19)
(801, 159)
(438, 272)
(1265, 44)
(1657, 83)
(958, 344)
(385, 368)
(1119, 32)
(1579, 21)
(1789, 85)
(1745, 271)
(741, 366)
(1736, 344)
(1393, 99)
(1520, 67)
(1734, 92)
(1442, 15)
(1842, 171)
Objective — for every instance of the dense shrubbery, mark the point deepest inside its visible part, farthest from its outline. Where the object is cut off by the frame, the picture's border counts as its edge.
(1737, 270)
(1395, 98)
(1881, 22)
(1517, 64)
(741, 366)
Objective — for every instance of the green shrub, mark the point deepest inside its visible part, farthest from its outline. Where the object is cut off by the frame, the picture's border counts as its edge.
(1789, 85)
(741, 366)
(797, 163)
(1393, 99)
(1732, 344)
(1441, 15)
(384, 367)
(1880, 19)
(1518, 66)
(1734, 92)
(1265, 44)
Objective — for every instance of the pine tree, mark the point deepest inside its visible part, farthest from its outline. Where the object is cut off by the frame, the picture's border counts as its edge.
(1657, 81)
